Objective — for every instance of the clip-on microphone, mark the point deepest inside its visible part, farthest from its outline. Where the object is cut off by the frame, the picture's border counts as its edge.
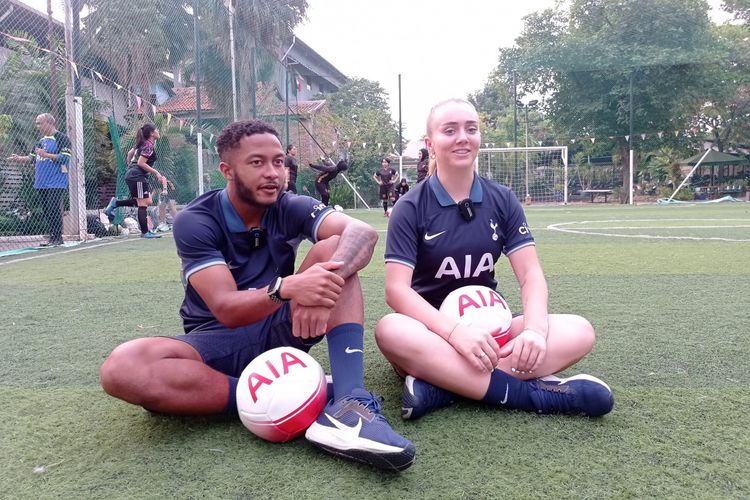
(257, 236)
(466, 209)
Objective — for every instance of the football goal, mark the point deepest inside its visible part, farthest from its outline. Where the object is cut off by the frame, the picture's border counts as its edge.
(535, 174)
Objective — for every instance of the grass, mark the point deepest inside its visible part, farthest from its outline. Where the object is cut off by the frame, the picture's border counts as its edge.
(671, 317)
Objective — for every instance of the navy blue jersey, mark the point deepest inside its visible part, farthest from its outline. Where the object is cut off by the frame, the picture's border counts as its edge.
(209, 232)
(428, 233)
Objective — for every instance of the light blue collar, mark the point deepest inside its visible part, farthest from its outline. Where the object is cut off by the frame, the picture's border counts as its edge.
(444, 198)
(234, 222)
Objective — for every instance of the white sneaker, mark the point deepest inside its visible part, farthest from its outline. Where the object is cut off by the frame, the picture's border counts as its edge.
(163, 227)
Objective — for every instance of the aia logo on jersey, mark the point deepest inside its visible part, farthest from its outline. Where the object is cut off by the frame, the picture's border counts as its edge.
(466, 269)
(524, 229)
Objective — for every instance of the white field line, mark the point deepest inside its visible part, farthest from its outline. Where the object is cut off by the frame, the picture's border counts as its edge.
(84, 246)
(562, 227)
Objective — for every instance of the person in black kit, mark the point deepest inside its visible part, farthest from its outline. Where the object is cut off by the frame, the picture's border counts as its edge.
(290, 163)
(141, 159)
(386, 177)
(328, 172)
(401, 189)
(423, 164)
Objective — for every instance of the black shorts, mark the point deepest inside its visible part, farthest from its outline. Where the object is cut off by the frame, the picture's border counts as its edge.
(386, 191)
(138, 189)
(230, 351)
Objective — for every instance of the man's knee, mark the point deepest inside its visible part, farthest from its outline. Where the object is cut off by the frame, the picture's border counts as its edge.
(323, 250)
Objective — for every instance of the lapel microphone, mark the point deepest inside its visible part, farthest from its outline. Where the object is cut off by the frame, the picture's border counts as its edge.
(257, 237)
(466, 209)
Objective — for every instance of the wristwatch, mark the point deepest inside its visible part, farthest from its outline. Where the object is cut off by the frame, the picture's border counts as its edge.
(274, 291)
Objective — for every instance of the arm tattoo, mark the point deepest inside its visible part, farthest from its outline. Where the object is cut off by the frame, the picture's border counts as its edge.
(355, 249)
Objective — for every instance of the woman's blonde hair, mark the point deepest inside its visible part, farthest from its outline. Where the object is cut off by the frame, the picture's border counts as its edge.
(432, 165)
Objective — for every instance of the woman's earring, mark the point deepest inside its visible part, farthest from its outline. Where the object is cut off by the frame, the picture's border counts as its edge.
(432, 155)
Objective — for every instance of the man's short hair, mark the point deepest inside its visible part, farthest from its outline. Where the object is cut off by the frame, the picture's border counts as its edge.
(230, 136)
(47, 117)
(289, 147)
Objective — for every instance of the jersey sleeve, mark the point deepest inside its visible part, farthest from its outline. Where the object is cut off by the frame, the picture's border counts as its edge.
(402, 237)
(197, 237)
(63, 148)
(518, 235)
(147, 150)
(302, 216)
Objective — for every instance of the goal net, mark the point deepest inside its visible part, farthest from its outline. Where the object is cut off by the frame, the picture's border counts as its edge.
(535, 174)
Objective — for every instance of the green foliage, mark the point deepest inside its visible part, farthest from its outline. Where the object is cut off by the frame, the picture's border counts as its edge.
(360, 115)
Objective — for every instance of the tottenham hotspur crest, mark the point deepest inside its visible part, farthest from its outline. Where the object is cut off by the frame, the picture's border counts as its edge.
(493, 225)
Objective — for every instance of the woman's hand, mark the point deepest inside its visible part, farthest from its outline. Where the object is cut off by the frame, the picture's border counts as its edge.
(527, 351)
(476, 345)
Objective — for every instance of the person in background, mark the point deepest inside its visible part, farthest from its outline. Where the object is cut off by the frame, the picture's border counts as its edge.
(386, 177)
(290, 163)
(50, 158)
(401, 189)
(449, 232)
(328, 172)
(422, 164)
(141, 159)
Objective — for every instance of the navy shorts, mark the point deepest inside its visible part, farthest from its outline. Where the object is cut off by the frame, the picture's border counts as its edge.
(229, 351)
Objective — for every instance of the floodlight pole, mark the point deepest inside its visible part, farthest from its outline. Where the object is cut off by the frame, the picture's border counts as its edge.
(630, 144)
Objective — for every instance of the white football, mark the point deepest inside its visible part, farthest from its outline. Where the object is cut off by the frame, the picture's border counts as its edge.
(480, 306)
(338, 208)
(281, 393)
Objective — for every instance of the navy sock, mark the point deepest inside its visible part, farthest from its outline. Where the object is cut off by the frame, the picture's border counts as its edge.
(231, 408)
(508, 391)
(346, 354)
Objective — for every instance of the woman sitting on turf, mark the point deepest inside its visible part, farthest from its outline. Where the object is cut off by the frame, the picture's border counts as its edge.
(448, 232)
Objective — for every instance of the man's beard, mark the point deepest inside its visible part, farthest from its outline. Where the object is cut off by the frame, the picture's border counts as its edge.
(247, 196)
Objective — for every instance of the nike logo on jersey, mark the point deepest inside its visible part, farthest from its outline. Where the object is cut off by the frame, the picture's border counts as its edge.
(428, 236)
(505, 399)
(349, 432)
(349, 350)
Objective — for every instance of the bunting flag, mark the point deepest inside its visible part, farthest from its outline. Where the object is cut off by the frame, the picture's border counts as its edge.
(298, 80)
(363, 145)
(348, 144)
(191, 130)
(211, 138)
(676, 133)
(378, 145)
(118, 86)
(593, 139)
(182, 123)
(660, 134)
(138, 101)
(99, 75)
(643, 137)
(169, 118)
(627, 138)
(153, 109)
(75, 68)
(333, 144)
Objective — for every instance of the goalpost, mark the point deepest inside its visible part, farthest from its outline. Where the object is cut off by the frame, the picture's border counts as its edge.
(535, 174)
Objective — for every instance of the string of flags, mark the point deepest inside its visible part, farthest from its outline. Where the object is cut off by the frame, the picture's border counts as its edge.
(95, 75)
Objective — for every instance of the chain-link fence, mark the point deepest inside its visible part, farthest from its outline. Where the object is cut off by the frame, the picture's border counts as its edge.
(75, 88)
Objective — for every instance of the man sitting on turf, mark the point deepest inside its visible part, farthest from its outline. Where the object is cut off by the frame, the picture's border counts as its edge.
(238, 247)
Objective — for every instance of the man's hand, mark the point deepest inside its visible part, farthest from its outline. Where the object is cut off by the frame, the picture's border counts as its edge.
(42, 153)
(316, 286)
(309, 322)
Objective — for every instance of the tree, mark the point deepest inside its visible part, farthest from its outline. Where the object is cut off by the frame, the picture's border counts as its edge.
(362, 118)
(587, 60)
